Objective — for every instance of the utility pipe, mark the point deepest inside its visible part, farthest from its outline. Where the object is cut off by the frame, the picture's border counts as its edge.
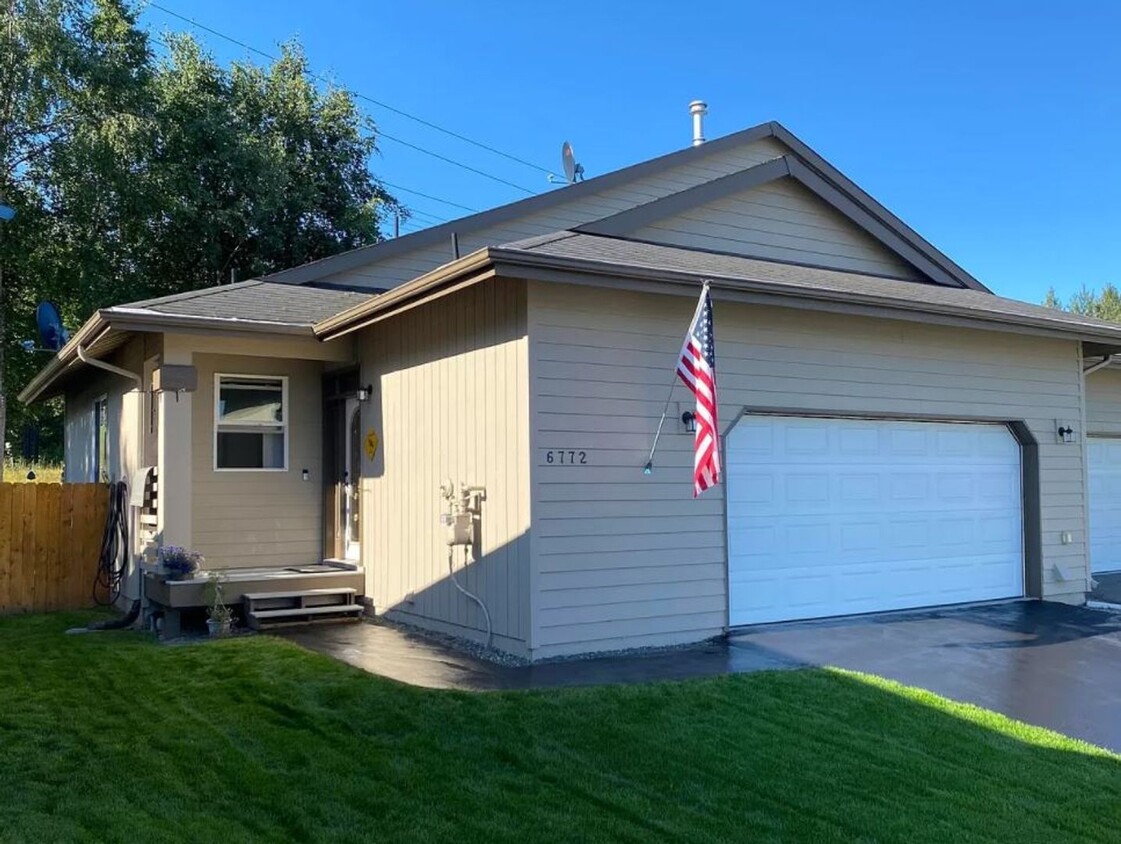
(108, 367)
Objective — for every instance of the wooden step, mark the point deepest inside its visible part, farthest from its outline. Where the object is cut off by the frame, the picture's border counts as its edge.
(264, 596)
(297, 615)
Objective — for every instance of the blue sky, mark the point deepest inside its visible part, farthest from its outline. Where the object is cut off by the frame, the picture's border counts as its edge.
(991, 127)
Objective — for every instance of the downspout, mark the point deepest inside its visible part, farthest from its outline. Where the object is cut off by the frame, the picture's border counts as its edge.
(1101, 364)
(108, 367)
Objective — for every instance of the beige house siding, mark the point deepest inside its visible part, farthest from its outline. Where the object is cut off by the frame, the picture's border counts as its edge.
(397, 270)
(1103, 402)
(450, 403)
(126, 416)
(245, 519)
(627, 560)
(779, 221)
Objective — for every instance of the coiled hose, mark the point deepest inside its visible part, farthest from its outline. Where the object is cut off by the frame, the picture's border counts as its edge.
(112, 563)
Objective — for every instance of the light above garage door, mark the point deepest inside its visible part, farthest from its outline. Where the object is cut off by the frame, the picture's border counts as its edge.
(834, 517)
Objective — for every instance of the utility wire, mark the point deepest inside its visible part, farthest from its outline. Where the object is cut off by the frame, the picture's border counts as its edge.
(381, 104)
(429, 196)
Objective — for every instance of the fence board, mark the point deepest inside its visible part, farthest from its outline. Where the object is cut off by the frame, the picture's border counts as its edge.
(5, 544)
(50, 536)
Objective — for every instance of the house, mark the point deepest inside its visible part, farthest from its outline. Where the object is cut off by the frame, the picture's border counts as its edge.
(895, 435)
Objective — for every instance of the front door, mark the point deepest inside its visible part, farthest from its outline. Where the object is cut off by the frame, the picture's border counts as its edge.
(352, 477)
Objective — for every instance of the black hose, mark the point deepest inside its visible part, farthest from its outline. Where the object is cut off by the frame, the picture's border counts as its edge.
(112, 563)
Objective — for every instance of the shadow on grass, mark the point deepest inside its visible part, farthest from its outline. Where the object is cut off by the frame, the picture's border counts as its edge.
(109, 736)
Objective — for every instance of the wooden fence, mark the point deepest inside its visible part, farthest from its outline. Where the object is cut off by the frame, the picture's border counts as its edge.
(50, 537)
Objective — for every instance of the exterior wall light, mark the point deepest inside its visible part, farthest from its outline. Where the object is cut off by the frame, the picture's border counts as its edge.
(689, 420)
(1066, 434)
(364, 393)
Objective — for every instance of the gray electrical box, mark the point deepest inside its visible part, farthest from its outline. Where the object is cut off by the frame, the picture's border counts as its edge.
(173, 378)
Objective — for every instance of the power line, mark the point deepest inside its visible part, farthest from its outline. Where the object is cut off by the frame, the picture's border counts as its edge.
(380, 104)
(429, 196)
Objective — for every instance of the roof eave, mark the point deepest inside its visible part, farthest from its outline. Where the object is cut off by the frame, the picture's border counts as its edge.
(138, 319)
(364, 313)
(506, 260)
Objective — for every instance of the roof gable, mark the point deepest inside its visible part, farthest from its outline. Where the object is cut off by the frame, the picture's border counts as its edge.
(783, 210)
(394, 262)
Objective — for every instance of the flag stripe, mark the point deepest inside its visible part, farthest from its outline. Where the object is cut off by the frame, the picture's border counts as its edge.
(696, 366)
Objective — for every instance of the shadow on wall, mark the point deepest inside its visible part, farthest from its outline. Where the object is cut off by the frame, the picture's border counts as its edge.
(496, 577)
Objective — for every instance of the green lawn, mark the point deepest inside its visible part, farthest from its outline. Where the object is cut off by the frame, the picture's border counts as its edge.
(112, 737)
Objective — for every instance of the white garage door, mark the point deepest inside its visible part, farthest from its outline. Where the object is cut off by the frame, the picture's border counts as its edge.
(1103, 456)
(842, 516)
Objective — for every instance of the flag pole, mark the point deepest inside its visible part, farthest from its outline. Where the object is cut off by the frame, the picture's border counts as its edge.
(649, 467)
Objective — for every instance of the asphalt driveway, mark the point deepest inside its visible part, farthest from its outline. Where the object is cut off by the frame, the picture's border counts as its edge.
(1047, 664)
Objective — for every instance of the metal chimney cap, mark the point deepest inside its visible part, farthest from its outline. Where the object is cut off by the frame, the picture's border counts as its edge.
(698, 107)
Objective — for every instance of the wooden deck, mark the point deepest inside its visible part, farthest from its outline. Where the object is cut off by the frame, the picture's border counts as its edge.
(191, 593)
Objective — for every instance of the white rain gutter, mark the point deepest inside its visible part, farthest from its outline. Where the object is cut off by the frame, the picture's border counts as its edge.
(108, 367)
(1101, 364)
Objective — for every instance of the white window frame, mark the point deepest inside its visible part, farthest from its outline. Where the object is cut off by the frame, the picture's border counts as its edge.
(95, 442)
(283, 424)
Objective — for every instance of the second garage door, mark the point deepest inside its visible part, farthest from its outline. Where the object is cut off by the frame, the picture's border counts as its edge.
(841, 516)
(1103, 458)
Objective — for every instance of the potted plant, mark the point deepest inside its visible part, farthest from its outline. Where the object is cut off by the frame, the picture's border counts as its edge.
(177, 563)
(218, 616)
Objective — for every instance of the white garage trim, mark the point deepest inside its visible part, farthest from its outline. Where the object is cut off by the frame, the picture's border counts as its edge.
(1103, 466)
(880, 495)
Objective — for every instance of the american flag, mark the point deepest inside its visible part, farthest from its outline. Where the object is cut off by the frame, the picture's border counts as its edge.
(697, 368)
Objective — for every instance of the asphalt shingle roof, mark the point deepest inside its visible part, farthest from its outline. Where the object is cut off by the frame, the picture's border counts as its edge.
(253, 301)
(794, 279)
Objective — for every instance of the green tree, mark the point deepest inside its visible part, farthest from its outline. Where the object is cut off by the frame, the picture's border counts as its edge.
(1103, 305)
(136, 175)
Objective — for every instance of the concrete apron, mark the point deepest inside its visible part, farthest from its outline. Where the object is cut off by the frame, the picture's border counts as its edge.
(1052, 665)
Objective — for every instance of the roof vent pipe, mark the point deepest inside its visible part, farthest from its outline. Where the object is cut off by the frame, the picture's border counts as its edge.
(698, 108)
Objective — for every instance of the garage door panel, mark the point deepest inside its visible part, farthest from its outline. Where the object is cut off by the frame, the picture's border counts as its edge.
(1103, 458)
(887, 515)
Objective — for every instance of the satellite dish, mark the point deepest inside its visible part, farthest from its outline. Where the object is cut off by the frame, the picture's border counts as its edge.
(52, 333)
(573, 172)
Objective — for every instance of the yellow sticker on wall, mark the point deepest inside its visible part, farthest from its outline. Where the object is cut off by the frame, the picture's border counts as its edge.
(371, 443)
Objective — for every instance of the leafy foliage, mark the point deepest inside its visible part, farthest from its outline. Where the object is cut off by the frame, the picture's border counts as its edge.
(1103, 305)
(138, 175)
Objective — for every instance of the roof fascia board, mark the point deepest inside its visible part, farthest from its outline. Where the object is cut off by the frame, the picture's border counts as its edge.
(517, 261)
(347, 320)
(42, 380)
(442, 234)
(141, 320)
(724, 291)
(845, 184)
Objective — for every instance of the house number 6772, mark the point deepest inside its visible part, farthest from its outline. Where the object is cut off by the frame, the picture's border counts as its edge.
(577, 458)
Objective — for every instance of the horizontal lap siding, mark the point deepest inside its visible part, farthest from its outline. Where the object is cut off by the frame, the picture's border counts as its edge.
(780, 221)
(248, 519)
(450, 403)
(1103, 402)
(397, 270)
(625, 559)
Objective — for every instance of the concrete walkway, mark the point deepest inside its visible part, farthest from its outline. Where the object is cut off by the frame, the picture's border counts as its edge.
(1046, 664)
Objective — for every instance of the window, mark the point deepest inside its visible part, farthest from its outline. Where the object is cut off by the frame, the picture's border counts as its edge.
(251, 422)
(101, 440)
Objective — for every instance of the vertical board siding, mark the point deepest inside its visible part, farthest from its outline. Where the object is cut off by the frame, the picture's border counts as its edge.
(50, 537)
(449, 403)
(250, 519)
(625, 559)
(1103, 402)
(779, 221)
(397, 270)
